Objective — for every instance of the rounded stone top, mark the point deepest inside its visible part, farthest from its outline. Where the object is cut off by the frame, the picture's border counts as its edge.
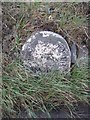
(45, 51)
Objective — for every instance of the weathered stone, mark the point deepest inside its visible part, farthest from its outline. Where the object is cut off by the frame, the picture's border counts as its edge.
(45, 51)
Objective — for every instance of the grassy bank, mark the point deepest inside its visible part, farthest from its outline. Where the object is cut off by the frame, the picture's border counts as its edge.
(42, 93)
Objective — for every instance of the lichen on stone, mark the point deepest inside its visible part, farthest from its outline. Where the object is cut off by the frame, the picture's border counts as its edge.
(45, 51)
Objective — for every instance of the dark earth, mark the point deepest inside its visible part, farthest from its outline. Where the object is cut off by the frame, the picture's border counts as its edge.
(79, 111)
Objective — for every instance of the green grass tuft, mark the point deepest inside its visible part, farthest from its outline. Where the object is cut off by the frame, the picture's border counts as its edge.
(43, 92)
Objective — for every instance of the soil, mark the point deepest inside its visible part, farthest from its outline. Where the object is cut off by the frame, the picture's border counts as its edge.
(80, 111)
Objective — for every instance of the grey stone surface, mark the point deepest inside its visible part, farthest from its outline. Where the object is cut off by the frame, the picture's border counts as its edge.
(45, 51)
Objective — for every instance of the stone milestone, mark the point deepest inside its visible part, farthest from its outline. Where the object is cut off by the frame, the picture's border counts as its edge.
(45, 51)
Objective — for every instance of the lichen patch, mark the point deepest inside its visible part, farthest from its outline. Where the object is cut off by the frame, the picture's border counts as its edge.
(44, 53)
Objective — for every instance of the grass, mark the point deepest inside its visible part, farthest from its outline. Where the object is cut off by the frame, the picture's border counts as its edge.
(43, 93)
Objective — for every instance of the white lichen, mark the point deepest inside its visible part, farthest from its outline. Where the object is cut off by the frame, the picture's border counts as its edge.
(51, 50)
(44, 34)
(45, 51)
(48, 33)
(29, 40)
(33, 37)
(23, 47)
